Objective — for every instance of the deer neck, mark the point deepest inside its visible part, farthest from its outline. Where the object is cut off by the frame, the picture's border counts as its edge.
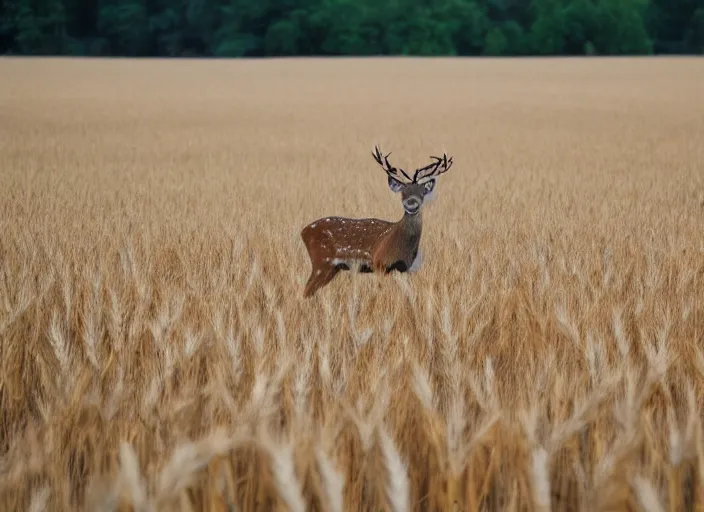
(411, 226)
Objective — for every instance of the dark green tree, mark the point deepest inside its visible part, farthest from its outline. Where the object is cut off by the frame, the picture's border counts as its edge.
(548, 32)
(622, 28)
(243, 28)
(35, 27)
(125, 26)
(673, 25)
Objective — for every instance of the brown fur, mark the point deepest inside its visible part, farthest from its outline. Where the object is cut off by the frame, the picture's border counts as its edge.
(334, 238)
(375, 243)
(399, 244)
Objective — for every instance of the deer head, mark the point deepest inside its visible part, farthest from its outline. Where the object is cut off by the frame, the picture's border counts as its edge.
(414, 191)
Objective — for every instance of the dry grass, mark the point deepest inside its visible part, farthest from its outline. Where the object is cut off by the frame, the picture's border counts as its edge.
(155, 351)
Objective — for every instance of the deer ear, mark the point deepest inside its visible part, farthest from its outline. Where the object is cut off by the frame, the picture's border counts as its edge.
(395, 185)
(429, 189)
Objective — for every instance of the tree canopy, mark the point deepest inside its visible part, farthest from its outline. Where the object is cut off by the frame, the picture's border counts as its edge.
(259, 28)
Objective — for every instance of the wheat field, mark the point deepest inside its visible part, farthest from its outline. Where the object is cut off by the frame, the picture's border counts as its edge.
(156, 352)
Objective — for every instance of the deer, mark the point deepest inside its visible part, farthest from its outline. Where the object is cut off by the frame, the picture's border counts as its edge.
(373, 245)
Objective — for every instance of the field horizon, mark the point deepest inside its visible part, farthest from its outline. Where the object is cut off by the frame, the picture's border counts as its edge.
(156, 351)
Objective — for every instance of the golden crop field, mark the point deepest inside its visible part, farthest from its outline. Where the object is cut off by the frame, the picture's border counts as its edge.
(156, 351)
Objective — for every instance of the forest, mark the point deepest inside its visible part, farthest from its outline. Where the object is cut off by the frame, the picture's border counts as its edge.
(275, 28)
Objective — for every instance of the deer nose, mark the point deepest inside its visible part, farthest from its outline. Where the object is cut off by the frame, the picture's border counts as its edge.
(412, 204)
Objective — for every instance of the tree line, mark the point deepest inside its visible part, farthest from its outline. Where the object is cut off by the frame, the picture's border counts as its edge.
(259, 28)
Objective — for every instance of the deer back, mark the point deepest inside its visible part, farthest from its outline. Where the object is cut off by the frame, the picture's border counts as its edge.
(340, 238)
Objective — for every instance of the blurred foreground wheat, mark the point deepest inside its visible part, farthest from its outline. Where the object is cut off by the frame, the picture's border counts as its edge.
(155, 351)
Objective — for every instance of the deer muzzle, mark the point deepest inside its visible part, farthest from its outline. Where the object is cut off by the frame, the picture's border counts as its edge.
(412, 205)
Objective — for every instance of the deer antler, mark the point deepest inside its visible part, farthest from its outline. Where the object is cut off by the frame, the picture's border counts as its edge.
(441, 165)
(383, 161)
